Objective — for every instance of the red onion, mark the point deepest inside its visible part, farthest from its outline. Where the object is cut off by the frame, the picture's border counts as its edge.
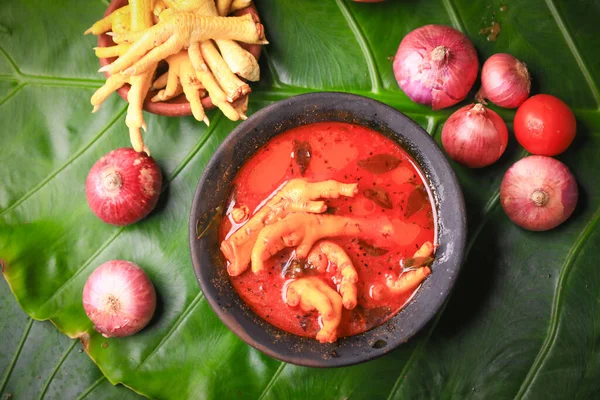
(123, 186)
(436, 65)
(538, 193)
(475, 136)
(505, 81)
(119, 298)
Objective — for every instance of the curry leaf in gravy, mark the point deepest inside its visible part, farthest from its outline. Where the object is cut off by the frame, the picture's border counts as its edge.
(331, 210)
(207, 221)
(302, 155)
(379, 196)
(380, 163)
(416, 262)
(306, 322)
(370, 249)
(297, 268)
(417, 199)
(293, 269)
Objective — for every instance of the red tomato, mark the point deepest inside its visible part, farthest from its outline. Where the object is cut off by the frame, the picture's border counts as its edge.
(544, 125)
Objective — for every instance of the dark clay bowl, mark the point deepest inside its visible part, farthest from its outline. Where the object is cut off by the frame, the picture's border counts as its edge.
(178, 106)
(213, 190)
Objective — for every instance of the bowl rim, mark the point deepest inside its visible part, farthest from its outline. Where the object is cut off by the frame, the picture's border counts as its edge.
(449, 204)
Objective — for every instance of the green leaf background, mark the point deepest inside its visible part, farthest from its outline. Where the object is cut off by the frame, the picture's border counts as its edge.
(523, 321)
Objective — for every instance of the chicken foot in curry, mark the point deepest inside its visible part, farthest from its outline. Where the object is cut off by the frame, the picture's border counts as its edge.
(302, 230)
(311, 293)
(325, 252)
(408, 281)
(295, 195)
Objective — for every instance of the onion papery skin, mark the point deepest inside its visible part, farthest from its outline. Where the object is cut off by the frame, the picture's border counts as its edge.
(538, 175)
(475, 136)
(119, 298)
(505, 81)
(123, 186)
(427, 77)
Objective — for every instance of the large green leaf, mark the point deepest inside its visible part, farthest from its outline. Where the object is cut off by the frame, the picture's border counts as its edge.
(523, 321)
(37, 361)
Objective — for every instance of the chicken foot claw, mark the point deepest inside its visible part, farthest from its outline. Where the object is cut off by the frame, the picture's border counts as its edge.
(117, 21)
(182, 75)
(311, 293)
(409, 280)
(326, 250)
(300, 195)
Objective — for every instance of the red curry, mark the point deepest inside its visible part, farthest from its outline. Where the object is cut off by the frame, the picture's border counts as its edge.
(390, 188)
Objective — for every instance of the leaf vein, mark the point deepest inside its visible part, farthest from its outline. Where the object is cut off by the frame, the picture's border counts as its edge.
(490, 206)
(41, 80)
(272, 380)
(91, 388)
(412, 358)
(556, 305)
(21, 77)
(10, 60)
(391, 98)
(12, 93)
(271, 67)
(172, 330)
(16, 355)
(80, 270)
(454, 16)
(575, 51)
(56, 368)
(176, 172)
(60, 81)
(65, 165)
(364, 46)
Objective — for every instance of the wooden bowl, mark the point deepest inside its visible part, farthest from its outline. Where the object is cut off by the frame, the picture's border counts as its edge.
(214, 188)
(178, 106)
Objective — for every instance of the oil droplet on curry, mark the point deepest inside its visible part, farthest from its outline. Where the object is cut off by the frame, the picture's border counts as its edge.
(329, 230)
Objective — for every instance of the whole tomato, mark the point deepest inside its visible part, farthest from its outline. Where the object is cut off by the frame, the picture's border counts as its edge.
(544, 125)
